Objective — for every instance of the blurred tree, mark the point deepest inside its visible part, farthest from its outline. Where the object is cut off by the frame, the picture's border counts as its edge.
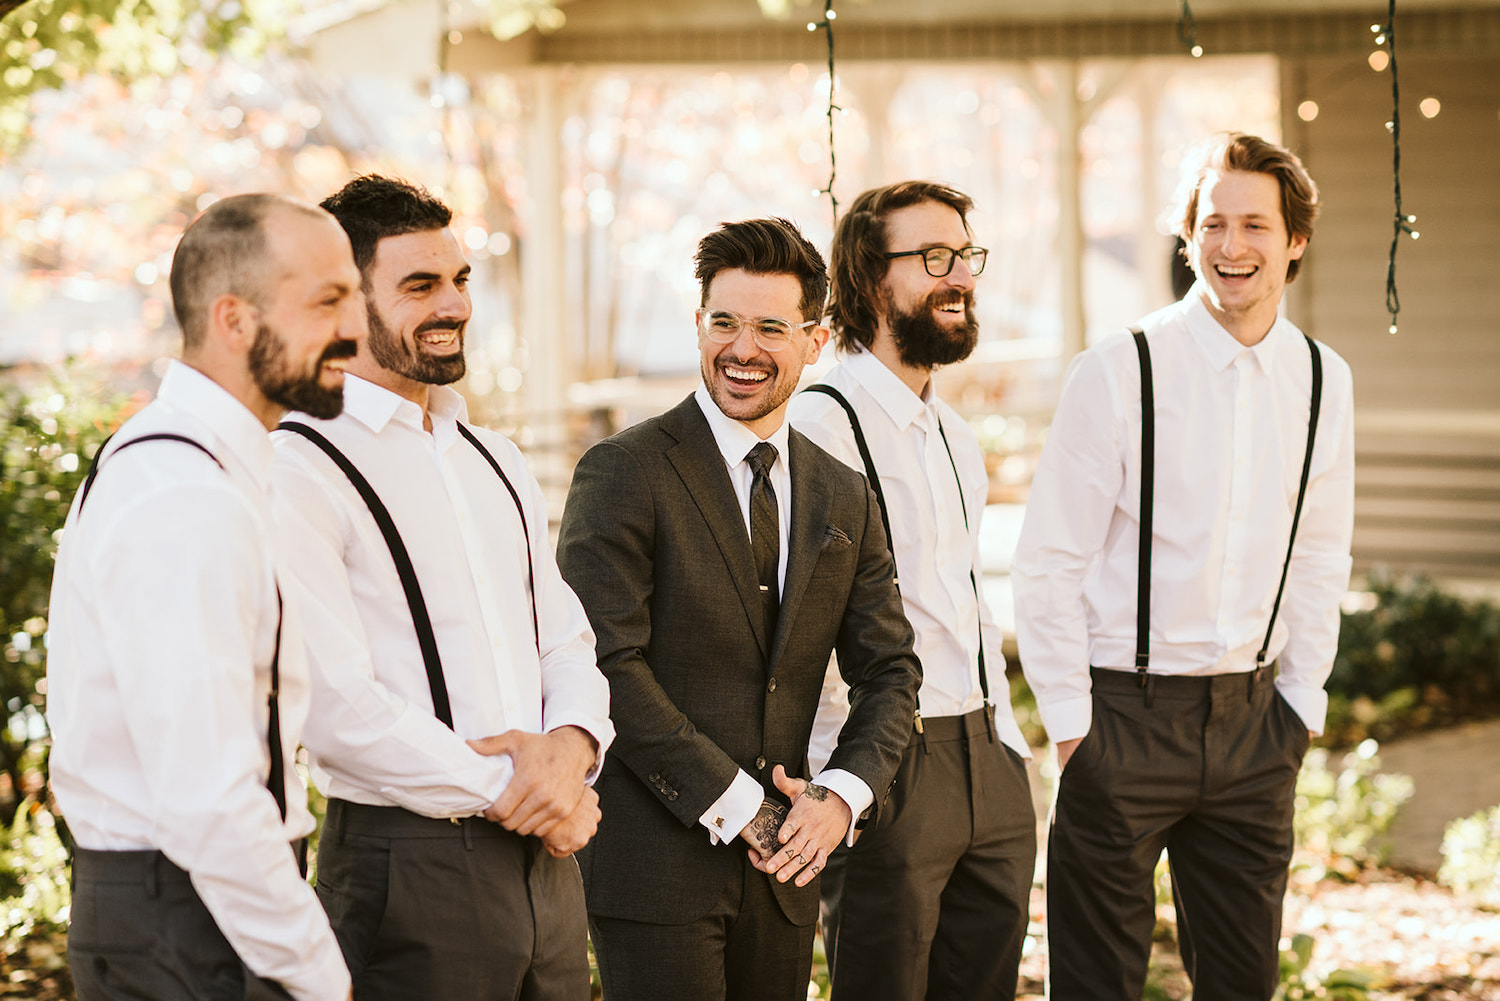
(44, 44)
(48, 434)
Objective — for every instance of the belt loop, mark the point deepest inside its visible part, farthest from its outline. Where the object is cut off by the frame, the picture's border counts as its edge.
(922, 735)
(468, 836)
(336, 817)
(1260, 665)
(153, 885)
(1148, 682)
(989, 719)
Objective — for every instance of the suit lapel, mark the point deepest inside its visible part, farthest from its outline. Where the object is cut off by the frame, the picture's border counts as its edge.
(700, 465)
(811, 505)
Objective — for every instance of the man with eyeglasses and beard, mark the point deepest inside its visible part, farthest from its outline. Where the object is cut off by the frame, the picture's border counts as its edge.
(932, 902)
(458, 715)
(722, 557)
(177, 684)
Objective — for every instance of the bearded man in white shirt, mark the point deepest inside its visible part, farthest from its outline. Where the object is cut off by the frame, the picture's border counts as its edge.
(177, 686)
(1188, 526)
(932, 902)
(459, 717)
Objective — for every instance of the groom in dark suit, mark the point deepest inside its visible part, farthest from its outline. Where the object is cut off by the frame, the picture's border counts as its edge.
(721, 557)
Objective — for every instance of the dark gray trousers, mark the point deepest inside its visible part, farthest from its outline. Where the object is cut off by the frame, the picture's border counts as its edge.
(743, 949)
(935, 898)
(1206, 768)
(463, 911)
(139, 931)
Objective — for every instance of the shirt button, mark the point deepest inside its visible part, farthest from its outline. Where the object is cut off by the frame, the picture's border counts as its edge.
(771, 685)
(760, 764)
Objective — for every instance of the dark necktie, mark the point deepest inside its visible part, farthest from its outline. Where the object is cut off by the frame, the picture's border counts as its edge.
(765, 531)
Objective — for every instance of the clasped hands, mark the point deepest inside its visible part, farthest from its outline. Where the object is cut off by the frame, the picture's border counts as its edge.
(800, 844)
(546, 795)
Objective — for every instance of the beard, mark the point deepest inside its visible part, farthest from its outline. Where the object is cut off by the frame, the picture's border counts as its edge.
(923, 342)
(279, 383)
(410, 361)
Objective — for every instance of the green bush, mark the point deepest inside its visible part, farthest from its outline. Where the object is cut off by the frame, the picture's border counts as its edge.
(49, 433)
(1299, 985)
(1419, 657)
(1471, 856)
(1342, 817)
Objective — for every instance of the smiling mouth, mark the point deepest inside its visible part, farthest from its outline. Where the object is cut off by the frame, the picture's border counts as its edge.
(440, 339)
(745, 378)
(1242, 271)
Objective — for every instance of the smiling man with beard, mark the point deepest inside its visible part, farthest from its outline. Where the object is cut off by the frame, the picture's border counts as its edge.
(177, 683)
(459, 717)
(722, 557)
(933, 901)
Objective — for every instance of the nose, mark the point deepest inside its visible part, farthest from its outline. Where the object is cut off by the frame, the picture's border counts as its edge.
(353, 319)
(455, 304)
(1232, 240)
(744, 345)
(960, 276)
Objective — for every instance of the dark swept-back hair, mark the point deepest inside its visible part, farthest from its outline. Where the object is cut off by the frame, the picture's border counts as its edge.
(372, 207)
(1252, 155)
(224, 251)
(764, 247)
(859, 249)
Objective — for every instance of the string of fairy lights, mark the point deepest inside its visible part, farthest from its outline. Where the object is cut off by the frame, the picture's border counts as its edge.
(1385, 35)
(826, 26)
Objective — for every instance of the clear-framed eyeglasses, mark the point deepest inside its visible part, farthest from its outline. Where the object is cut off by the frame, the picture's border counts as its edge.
(939, 260)
(771, 333)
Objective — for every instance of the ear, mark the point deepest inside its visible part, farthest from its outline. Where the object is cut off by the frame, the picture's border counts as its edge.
(1295, 246)
(234, 320)
(817, 338)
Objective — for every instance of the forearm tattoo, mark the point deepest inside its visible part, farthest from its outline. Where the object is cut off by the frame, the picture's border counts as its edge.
(766, 825)
(816, 792)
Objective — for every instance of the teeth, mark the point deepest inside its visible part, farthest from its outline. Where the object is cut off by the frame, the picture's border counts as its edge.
(1238, 272)
(441, 338)
(952, 307)
(751, 375)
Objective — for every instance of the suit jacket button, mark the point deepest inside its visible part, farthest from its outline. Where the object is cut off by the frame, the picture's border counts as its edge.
(655, 776)
(771, 685)
(672, 794)
(760, 764)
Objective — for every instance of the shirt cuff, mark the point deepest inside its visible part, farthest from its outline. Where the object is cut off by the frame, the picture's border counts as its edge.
(852, 790)
(1307, 702)
(732, 812)
(1067, 719)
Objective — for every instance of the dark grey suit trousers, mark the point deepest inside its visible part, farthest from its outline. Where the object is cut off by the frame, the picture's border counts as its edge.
(1206, 768)
(428, 908)
(139, 930)
(936, 897)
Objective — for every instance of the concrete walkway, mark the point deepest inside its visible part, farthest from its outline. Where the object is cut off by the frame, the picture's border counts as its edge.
(1455, 773)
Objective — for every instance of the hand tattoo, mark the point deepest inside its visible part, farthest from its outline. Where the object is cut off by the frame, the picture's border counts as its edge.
(765, 826)
(816, 792)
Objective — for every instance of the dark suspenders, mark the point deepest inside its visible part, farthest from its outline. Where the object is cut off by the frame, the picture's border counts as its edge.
(1148, 475)
(873, 476)
(417, 605)
(276, 781)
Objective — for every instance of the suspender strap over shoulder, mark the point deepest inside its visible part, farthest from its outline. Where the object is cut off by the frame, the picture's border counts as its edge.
(276, 780)
(1148, 503)
(536, 629)
(420, 620)
(1148, 473)
(873, 475)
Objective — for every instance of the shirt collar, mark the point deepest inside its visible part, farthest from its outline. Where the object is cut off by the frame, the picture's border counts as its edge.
(1220, 346)
(894, 396)
(375, 406)
(734, 439)
(231, 423)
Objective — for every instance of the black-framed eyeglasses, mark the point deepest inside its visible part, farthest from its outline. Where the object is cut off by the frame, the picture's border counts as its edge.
(939, 260)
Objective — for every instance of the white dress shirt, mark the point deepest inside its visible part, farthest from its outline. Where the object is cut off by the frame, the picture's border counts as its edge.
(727, 816)
(163, 626)
(1231, 433)
(374, 736)
(935, 552)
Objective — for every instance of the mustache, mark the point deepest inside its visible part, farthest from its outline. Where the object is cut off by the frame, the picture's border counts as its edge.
(455, 325)
(339, 349)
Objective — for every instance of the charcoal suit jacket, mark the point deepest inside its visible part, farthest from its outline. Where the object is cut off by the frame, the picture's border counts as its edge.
(655, 545)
